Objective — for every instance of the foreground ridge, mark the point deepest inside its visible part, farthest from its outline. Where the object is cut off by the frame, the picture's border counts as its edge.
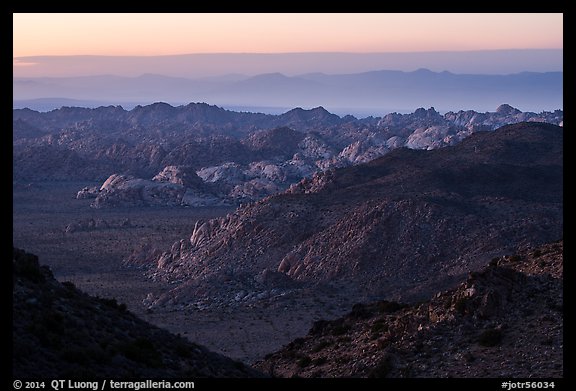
(503, 321)
(61, 332)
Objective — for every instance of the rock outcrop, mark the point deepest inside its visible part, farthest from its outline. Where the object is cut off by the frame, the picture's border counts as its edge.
(171, 187)
(179, 175)
(505, 320)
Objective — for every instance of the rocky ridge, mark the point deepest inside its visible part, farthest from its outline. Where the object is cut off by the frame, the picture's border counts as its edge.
(243, 156)
(61, 332)
(505, 320)
(402, 226)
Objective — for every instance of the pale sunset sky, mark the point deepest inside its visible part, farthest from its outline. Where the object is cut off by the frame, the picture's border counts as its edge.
(56, 45)
(165, 34)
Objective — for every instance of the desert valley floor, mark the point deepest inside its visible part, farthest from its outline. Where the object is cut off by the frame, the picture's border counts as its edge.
(92, 260)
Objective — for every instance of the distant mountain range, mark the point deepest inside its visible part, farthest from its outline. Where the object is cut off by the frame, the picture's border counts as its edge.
(361, 94)
(209, 65)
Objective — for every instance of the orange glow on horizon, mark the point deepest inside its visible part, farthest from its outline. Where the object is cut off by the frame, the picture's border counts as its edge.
(169, 34)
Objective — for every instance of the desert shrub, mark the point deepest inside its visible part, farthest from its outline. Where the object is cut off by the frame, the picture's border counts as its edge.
(75, 355)
(320, 360)
(343, 359)
(547, 341)
(46, 338)
(382, 369)
(289, 354)
(515, 258)
(48, 329)
(27, 267)
(553, 305)
(319, 327)
(304, 361)
(340, 329)
(321, 345)
(460, 305)
(419, 346)
(379, 326)
(360, 311)
(143, 351)
(387, 307)
(182, 349)
(490, 337)
(296, 344)
(383, 343)
(112, 303)
(80, 373)
(53, 321)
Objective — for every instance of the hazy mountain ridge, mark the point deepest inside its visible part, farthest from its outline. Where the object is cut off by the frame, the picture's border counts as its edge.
(210, 66)
(503, 321)
(240, 156)
(394, 90)
(59, 331)
(401, 226)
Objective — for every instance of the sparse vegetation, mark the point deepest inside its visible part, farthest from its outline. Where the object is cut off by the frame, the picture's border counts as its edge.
(26, 265)
(304, 361)
(516, 258)
(75, 355)
(490, 337)
(388, 307)
(112, 303)
(60, 331)
(382, 369)
(182, 349)
(321, 346)
(340, 329)
(460, 305)
(420, 340)
(319, 361)
(378, 326)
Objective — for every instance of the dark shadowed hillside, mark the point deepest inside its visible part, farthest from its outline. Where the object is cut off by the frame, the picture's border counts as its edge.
(401, 227)
(61, 332)
(503, 321)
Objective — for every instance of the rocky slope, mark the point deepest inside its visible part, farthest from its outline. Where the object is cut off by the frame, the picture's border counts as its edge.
(243, 156)
(60, 332)
(505, 320)
(401, 227)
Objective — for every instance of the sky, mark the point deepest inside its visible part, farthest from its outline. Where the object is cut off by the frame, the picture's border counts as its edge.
(152, 34)
(212, 45)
